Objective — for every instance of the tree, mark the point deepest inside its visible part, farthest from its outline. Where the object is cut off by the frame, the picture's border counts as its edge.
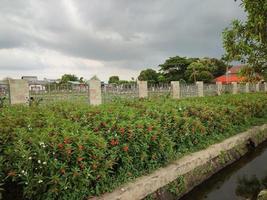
(197, 71)
(216, 66)
(114, 80)
(174, 68)
(149, 75)
(247, 41)
(249, 74)
(68, 77)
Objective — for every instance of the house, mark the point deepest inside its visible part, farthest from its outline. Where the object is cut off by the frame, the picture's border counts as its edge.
(35, 85)
(232, 75)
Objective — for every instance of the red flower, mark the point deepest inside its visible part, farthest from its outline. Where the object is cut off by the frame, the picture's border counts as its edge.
(125, 148)
(150, 128)
(67, 141)
(80, 159)
(154, 137)
(60, 146)
(122, 130)
(81, 147)
(114, 142)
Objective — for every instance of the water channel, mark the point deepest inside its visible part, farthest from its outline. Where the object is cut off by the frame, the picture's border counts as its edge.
(241, 180)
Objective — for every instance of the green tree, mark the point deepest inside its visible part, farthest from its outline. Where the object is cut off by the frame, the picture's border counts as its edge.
(197, 71)
(149, 75)
(216, 66)
(114, 79)
(247, 41)
(68, 77)
(174, 67)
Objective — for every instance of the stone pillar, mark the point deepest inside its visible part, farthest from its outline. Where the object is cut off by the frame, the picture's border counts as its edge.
(257, 87)
(142, 89)
(247, 87)
(18, 91)
(175, 89)
(235, 90)
(265, 87)
(95, 97)
(200, 88)
(219, 88)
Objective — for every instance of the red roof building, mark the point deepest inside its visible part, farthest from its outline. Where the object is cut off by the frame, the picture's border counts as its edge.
(231, 75)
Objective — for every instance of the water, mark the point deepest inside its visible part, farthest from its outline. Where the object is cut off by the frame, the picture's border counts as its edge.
(241, 180)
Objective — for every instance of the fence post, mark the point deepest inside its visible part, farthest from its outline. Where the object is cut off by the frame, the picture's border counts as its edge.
(142, 89)
(234, 87)
(175, 89)
(265, 87)
(247, 87)
(95, 97)
(219, 88)
(18, 91)
(257, 87)
(200, 88)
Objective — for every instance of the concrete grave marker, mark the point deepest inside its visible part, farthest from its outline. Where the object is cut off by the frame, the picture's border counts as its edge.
(18, 91)
(142, 89)
(175, 89)
(95, 97)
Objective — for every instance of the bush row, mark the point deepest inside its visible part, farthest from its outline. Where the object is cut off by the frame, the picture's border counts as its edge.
(76, 151)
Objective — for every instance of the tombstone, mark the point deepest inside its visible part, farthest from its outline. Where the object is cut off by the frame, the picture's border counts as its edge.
(142, 89)
(18, 91)
(200, 88)
(95, 97)
(235, 90)
(219, 88)
(257, 87)
(175, 89)
(247, 87)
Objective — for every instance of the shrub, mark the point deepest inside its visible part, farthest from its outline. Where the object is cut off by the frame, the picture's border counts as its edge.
(74, 151)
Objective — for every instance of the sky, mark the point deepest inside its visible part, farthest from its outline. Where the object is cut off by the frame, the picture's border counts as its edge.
(48, 38)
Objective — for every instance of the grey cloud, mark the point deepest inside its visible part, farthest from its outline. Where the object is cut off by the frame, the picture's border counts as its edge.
(128, 33)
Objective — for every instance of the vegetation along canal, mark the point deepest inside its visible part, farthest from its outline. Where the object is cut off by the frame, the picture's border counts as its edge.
(242, 180)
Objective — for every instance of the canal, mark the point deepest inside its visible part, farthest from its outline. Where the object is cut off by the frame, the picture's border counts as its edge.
(241, 180)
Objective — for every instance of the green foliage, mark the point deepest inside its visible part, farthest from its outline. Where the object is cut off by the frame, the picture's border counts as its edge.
(192, 69)
(2, 101)
(247, 41)
(197, 71)
(149, 75)
(74, 151)
(68, 77)
(174, 67)
(114, 79)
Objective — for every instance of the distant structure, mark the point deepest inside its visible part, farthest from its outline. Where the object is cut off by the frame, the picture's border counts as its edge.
(35, 85)
(232, 75)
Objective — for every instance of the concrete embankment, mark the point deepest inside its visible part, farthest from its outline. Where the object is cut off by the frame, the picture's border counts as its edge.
(184, 174)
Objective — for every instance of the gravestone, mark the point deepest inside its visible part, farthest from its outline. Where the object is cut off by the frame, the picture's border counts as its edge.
(219, 88)
(142, 89)
(247, 87)
(18, 91)
(95, 97)
(257, 87)
(200, 88)
(175, 89)
(234, 87)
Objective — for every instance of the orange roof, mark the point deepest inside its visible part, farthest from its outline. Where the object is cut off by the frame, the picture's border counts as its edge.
(229, 78)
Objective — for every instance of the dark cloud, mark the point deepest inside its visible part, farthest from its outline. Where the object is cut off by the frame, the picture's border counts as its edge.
(126, 33)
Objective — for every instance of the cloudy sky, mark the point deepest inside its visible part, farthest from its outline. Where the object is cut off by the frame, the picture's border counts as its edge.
(48, 38)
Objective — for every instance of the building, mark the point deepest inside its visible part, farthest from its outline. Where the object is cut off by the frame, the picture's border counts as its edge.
(35, 85)
(232, 75)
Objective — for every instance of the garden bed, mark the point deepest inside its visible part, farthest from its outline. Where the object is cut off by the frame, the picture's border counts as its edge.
(76, 151)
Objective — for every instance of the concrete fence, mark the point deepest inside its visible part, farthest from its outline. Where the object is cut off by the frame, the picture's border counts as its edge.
(96, 93)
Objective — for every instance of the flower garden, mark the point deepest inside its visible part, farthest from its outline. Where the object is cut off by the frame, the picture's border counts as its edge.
(75, 151)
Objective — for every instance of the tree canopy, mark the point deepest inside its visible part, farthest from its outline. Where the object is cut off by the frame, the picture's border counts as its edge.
(68, 77)
(149, 75)
(114, 79)
(246, 41)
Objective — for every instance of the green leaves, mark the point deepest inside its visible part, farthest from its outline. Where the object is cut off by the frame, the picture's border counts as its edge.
(73, 151)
